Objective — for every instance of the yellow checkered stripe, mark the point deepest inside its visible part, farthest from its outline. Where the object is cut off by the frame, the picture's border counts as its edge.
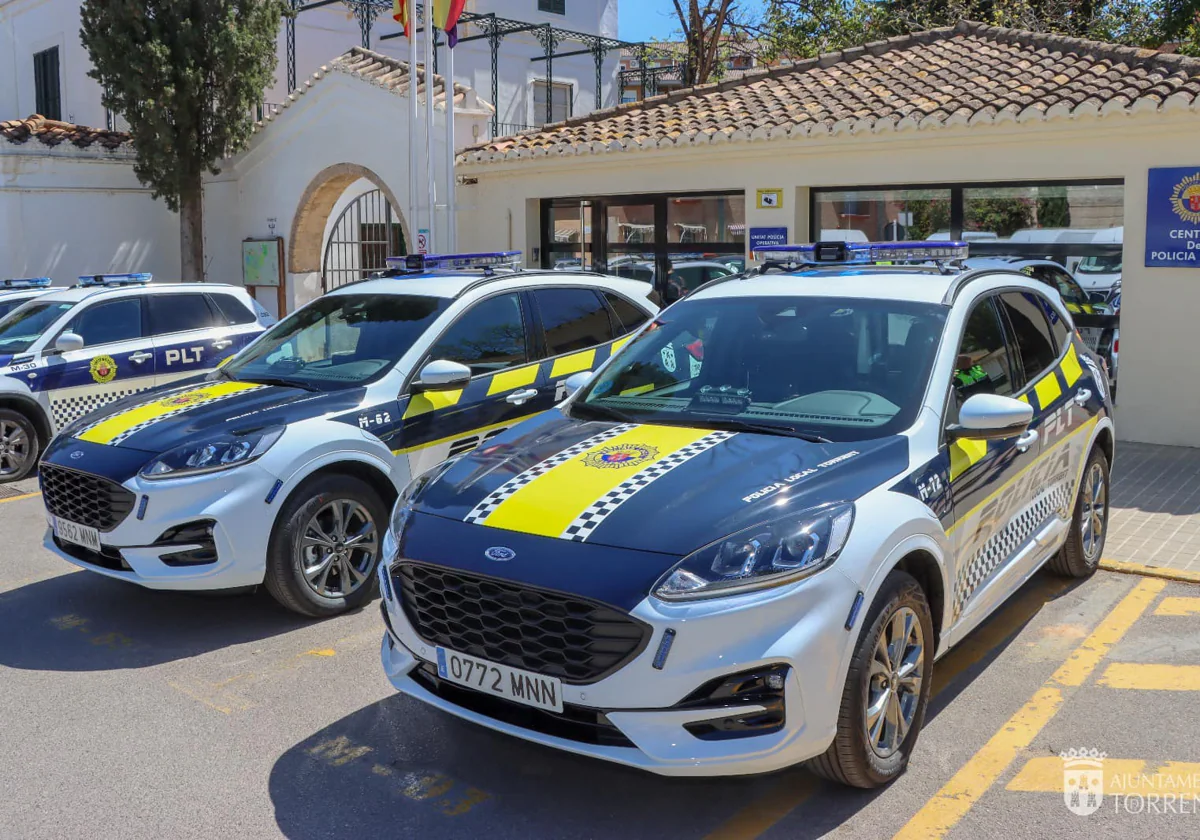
(117, 427)
(965, 452)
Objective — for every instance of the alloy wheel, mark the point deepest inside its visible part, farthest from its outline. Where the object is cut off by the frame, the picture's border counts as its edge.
(15, 448)
(338, 547)
(894, 682)
(1093, 513)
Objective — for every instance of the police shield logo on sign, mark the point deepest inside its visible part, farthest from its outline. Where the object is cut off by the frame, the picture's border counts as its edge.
(1083, 780)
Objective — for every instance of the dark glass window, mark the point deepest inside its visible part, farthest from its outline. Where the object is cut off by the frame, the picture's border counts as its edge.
(573, 319)
(104, 323)
(629, 316)
(489, 337)
(232, 310)
(982, 366)
(178, 313)
(1031, 333)
(46, 89)
(554, 7)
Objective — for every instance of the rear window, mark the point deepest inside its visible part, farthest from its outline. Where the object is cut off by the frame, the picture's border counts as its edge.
(629, 317)
(1031, 332)
(572, 319)
(179, 313)
(231, 310)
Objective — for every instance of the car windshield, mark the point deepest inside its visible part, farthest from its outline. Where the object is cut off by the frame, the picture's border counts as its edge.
(838, 368)
(337, 341)
(23, 326)
(1100, 265)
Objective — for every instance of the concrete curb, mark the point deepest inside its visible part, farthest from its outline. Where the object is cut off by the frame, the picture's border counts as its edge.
(1162, 572)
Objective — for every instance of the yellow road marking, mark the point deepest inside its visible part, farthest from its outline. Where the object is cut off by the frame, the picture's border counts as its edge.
(1044, 774)
(21, 497)
(1178, 606)
(1151, 677)
(950, 804)
(1143, 570)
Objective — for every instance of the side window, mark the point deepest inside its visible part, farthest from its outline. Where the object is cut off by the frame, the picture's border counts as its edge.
(1031, 333)
(232, 311)
(573, 319)
(104, 323)
(488, 337)
(629, 316)
(178, 313)
(982, 366)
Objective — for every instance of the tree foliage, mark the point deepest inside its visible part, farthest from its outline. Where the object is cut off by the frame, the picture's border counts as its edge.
(185, 75)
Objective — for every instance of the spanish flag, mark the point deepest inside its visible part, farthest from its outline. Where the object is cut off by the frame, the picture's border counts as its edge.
(447, 12)
(400, 15)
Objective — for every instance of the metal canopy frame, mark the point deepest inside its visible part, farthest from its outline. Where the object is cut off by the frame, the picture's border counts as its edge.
(492, 27)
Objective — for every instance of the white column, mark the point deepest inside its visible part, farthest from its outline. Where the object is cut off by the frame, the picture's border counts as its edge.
(430, 176)
(451, 216)
(414, 217)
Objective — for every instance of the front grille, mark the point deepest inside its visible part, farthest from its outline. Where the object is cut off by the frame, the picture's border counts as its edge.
(84, 498)
(536, 630)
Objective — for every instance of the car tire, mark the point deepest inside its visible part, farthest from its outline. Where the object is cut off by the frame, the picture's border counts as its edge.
(899, 623)
(19, 445)
(309, 561)
(1080, 555)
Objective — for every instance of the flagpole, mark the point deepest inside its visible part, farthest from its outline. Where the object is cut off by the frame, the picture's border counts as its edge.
(413, 216)
(451, 209)
(430, 177)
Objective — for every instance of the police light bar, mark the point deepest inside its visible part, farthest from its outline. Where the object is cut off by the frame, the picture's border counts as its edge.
(862, 253)
(25, 283)
(456, 262)
(115, 279)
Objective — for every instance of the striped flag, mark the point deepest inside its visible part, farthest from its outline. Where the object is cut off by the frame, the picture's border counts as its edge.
(445, 17)
(400, 15)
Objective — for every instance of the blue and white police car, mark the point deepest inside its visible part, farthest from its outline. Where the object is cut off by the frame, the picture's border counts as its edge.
(744, 540)
(16, 291)
(70, 351)
(281, 466)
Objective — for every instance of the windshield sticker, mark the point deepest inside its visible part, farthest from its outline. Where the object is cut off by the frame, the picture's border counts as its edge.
(103, 369)
(694, 366)
(668, 358)
(619, 457)
(775, 487)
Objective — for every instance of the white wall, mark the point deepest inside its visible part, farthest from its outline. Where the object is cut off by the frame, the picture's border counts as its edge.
(1158, 359)
(66, 212)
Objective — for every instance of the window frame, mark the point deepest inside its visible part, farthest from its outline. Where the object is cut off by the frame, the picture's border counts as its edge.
(214, 313)
(950, 415)
(46, 91)
(537, 116)
(526, 324)
(541, 326)
(214, 305)
(143, 310)
(1014, 345)
(553, 7)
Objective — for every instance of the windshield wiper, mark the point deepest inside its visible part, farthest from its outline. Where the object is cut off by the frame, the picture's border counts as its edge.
(736, 425)
(279, 380)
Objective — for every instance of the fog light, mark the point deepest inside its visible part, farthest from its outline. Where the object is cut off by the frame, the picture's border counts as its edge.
(728, 698)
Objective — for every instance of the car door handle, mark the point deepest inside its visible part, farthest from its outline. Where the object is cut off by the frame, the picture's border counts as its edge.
(521, 397)
(221, 343)
(138, 358)
(1027, 440)
(1082, 396)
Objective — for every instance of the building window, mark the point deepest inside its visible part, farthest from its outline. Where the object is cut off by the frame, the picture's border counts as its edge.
(45, 84)
(554, 7)
(560, 105)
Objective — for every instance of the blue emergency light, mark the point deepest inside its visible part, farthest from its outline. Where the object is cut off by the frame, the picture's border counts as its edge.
(139, 279)
(457, 262)
(862, 253)
(25, 283)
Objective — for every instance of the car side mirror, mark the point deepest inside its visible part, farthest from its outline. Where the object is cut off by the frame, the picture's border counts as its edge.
(442, 375)
(68, 342)
(991, 417)
(576, 381)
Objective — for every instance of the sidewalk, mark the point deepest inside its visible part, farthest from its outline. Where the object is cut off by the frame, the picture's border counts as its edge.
(1155, 509)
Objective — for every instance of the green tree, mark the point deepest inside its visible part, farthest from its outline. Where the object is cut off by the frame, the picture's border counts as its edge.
(185, 75)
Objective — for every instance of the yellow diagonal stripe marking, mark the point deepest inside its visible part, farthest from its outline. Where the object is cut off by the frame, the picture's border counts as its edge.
(1047, 390)
(510, 380)
(1178, 606)
(963, 453)
(1071, 369)
(618, 344)
(428, 401)
(549, 503)
(566, 365)
(106, 430)
(950, 804)
(1151, 677)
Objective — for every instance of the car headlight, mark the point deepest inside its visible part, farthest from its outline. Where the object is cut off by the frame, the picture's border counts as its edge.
(402, 511)
(219, 452)
(770, 554)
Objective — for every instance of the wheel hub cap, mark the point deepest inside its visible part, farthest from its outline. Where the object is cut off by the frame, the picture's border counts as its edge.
(338, 548)
(896, 671)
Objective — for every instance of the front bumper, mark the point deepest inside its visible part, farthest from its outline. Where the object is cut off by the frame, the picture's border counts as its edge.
(802, 625)
(233, 501)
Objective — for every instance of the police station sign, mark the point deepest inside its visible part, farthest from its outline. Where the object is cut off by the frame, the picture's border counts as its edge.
(1173, 217)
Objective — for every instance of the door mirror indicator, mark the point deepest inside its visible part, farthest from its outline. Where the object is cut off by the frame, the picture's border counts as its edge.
(442, 375)
(991, 417)
(68, 342)
(576, 381)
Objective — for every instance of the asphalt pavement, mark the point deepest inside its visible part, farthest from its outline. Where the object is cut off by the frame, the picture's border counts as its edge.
(136, 714)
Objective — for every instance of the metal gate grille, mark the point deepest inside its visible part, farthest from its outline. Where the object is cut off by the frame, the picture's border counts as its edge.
(366, 233)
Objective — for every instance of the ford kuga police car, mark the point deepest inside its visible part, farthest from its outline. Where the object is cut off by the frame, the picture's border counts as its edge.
(71, 351)
(283, 464)
(743, 543)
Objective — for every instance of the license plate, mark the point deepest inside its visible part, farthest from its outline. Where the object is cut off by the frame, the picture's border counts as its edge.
(73, 532)
(500, 680)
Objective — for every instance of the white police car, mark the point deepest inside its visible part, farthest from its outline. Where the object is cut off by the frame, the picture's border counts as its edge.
(71, 351)
(745, 540)
(16, 291)
(283, 464)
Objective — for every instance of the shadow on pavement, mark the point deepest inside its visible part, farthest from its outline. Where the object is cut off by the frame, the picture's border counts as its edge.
(85, 622)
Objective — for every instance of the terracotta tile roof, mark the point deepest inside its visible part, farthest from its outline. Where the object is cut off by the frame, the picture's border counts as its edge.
(964, 75)
(54, 132)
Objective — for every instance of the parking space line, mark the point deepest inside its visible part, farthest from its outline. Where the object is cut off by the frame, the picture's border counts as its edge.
(22, 497)
(950, 804)
(1176, 605)
(767, 810)
(1151, 677)
(1044, 774)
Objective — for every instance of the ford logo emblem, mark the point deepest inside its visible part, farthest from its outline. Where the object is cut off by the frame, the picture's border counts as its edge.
(499, 553)
(77, 454)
